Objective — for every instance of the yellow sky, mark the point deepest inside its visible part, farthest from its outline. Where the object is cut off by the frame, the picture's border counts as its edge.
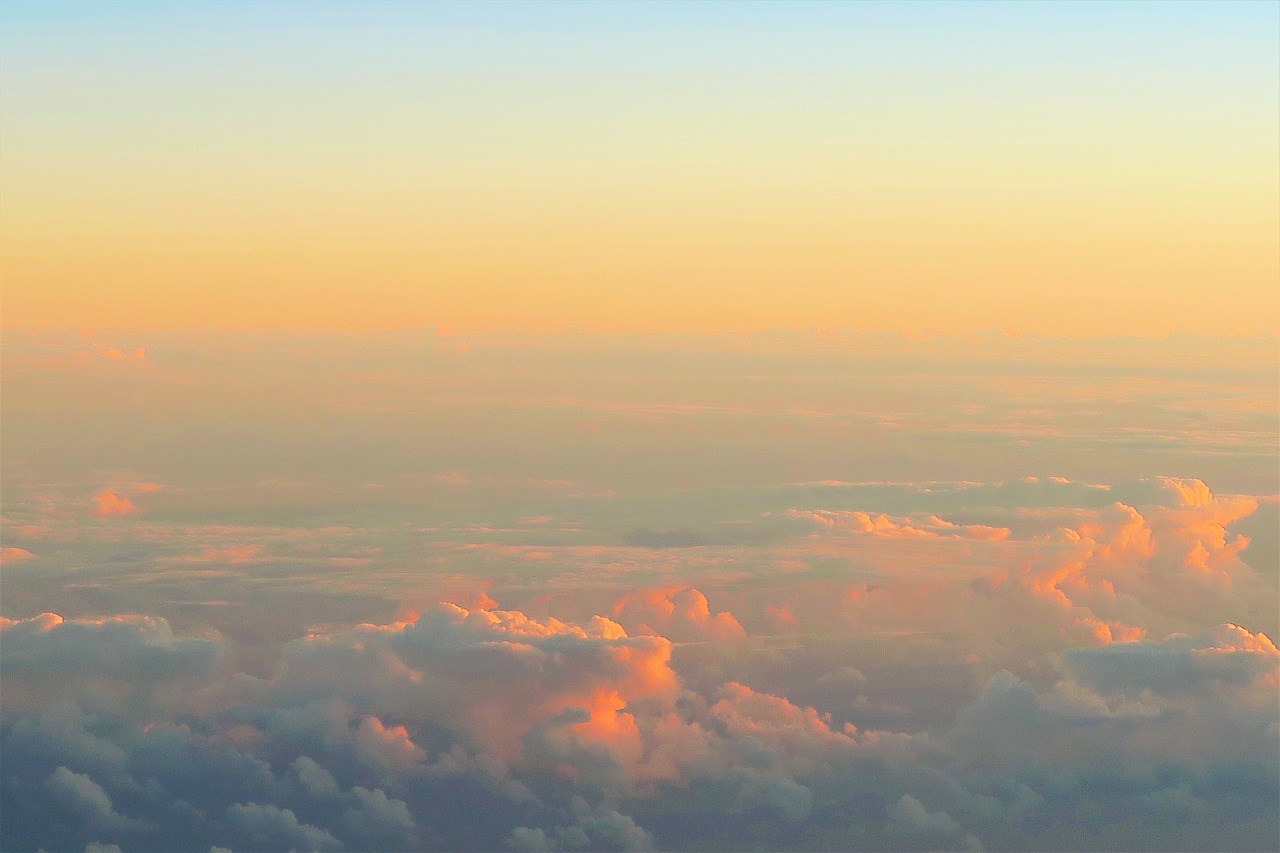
(244, 189)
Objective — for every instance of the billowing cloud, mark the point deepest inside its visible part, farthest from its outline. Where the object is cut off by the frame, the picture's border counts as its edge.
(796, 599)
(579, 736)
(86, 798)
(1222, 658)
(109, 502)
(681, 614)
(121, 664)
(880, 524)
(268, 827)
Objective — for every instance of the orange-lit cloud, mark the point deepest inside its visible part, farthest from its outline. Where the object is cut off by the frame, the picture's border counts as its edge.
(880, 524)
(679, 613)
(135, 354)
(109, 502)
(234, 554)
(391, 746)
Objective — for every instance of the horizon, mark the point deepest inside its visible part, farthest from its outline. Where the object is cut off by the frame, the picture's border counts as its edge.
(627, 426)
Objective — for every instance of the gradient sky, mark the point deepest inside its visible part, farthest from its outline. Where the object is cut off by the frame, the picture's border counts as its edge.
(616, 426)
(1061, 168)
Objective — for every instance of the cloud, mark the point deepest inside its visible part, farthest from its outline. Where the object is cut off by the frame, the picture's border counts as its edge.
(379, 820)
(490, 675)
(391, 746)
(678, 613)
(119, 354)
(109, 502)
(87, 799)
(809, 634)
(126, 664)
(879, 524)
(229, 555)
(1223, 657)
(591, 829)
(902, 678)
(1200, 701)
(580, 736)
(913, 823)
(267, 827)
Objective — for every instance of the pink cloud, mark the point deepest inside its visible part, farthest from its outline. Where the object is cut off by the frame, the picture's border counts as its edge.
(13, 554)
(879, 524)
(99, 355)
(679, 613)
(494, 674)
(134, 354)
(109, 502)
(391, 746)
(234, 554)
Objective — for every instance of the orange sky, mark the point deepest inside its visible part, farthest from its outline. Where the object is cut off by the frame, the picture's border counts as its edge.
(833, 169)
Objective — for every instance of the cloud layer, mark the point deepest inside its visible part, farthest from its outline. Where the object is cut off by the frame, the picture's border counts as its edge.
(331, 594)
(590, 735)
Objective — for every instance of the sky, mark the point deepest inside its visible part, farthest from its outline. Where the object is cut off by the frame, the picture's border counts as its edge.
(1050, 168)
(666, 426)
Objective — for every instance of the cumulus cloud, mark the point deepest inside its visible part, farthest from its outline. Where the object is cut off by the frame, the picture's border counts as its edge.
(681, 614)
(109, 502)
(580, 736)
(267, 827)
(904, 678)
(126, 664)
(379, 818)
(1128, 706)
(732, 598)
(591, 829)
(489, 675)
(389, 745)
(87, 799)
(879, 524)
(1223, 657)
(921, 828)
